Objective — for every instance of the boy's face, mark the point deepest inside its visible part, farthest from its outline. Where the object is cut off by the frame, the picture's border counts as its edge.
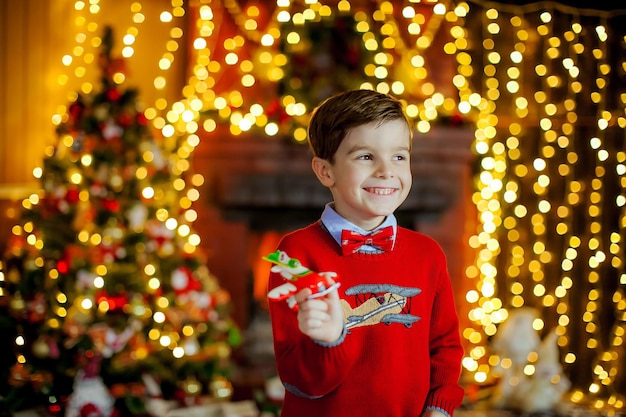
(371, 175)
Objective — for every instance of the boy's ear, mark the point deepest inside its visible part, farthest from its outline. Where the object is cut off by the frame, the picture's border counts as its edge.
(323, 171)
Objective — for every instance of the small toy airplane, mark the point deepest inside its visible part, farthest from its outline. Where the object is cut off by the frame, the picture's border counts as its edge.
(298, 277)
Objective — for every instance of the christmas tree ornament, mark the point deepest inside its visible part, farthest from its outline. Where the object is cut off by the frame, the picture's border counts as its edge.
(184, 282)
(221, 388)
(19, 375)
(36, 308)
(136, 216)
(191, 391)
(41, 347)
(85, 280)
(111, 130)
(41, 381)
(192, 386)
(13, 276)
(17, 304)
(191, 346)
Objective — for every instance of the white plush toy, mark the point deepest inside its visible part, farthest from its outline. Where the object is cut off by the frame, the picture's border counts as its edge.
(90, 398)
(548, 384)
(515, 340)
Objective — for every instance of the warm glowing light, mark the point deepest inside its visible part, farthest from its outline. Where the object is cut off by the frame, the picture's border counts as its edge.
(521, 91)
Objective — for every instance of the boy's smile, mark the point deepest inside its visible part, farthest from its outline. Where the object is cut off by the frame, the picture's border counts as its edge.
(381, 191)
(371, 173)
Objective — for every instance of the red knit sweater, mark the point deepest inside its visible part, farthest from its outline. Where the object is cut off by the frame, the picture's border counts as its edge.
(401, 352)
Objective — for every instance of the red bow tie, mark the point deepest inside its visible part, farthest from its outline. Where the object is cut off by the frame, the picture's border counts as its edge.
(381, 239)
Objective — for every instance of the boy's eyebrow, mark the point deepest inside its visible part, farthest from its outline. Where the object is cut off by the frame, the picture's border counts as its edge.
(359, 148)
(402, 148)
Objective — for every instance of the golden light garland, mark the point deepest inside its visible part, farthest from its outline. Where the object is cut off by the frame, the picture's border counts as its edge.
(240, 105)
(535, 187)
(596, 211)
(566, 144)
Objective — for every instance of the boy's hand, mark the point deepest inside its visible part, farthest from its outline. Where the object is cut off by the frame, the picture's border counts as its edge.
(433, 413)
(320, 318)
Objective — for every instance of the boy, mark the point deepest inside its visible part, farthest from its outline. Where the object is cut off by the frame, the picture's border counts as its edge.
(386, 342)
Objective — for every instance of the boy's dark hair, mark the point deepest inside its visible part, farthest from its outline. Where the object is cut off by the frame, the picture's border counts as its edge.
(334, 117)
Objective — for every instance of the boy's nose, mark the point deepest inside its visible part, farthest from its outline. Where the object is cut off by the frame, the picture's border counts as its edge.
(384, 169)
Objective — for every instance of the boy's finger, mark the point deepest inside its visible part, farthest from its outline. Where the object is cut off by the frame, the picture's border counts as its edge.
(334, 294)
(303, 294)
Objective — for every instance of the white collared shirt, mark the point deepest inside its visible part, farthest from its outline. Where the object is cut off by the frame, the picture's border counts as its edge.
(335, 224)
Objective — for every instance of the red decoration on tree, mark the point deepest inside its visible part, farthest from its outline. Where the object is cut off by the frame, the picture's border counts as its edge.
(111, 205)
(71, 196)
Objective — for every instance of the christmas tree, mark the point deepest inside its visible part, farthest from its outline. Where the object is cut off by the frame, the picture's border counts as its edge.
(104, 289)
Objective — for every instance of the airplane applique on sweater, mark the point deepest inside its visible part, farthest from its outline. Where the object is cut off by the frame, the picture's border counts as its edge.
(298, 277)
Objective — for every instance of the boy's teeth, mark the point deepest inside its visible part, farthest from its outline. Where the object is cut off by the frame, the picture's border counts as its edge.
(381, 191)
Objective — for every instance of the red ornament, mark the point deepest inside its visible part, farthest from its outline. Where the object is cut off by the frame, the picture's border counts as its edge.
(275, 110)
(111, 205)
(115, 302)
(273, 107)
(63, 266)
(124, 120)
(184, 282)
(71, 196)
(75, 112)
(113, 94)
(142, 119)
(54, 409)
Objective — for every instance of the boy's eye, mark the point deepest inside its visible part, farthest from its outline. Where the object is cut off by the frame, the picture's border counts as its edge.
(366, 157)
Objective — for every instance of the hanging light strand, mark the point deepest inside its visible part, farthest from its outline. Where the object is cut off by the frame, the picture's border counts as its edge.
(568, 169)
(83, 54)
(487, 311)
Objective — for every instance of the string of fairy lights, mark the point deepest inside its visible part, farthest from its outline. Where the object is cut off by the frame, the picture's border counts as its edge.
(521, 84)
(596, 197)
(529, 198)
(566, 143)
(243, 112)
